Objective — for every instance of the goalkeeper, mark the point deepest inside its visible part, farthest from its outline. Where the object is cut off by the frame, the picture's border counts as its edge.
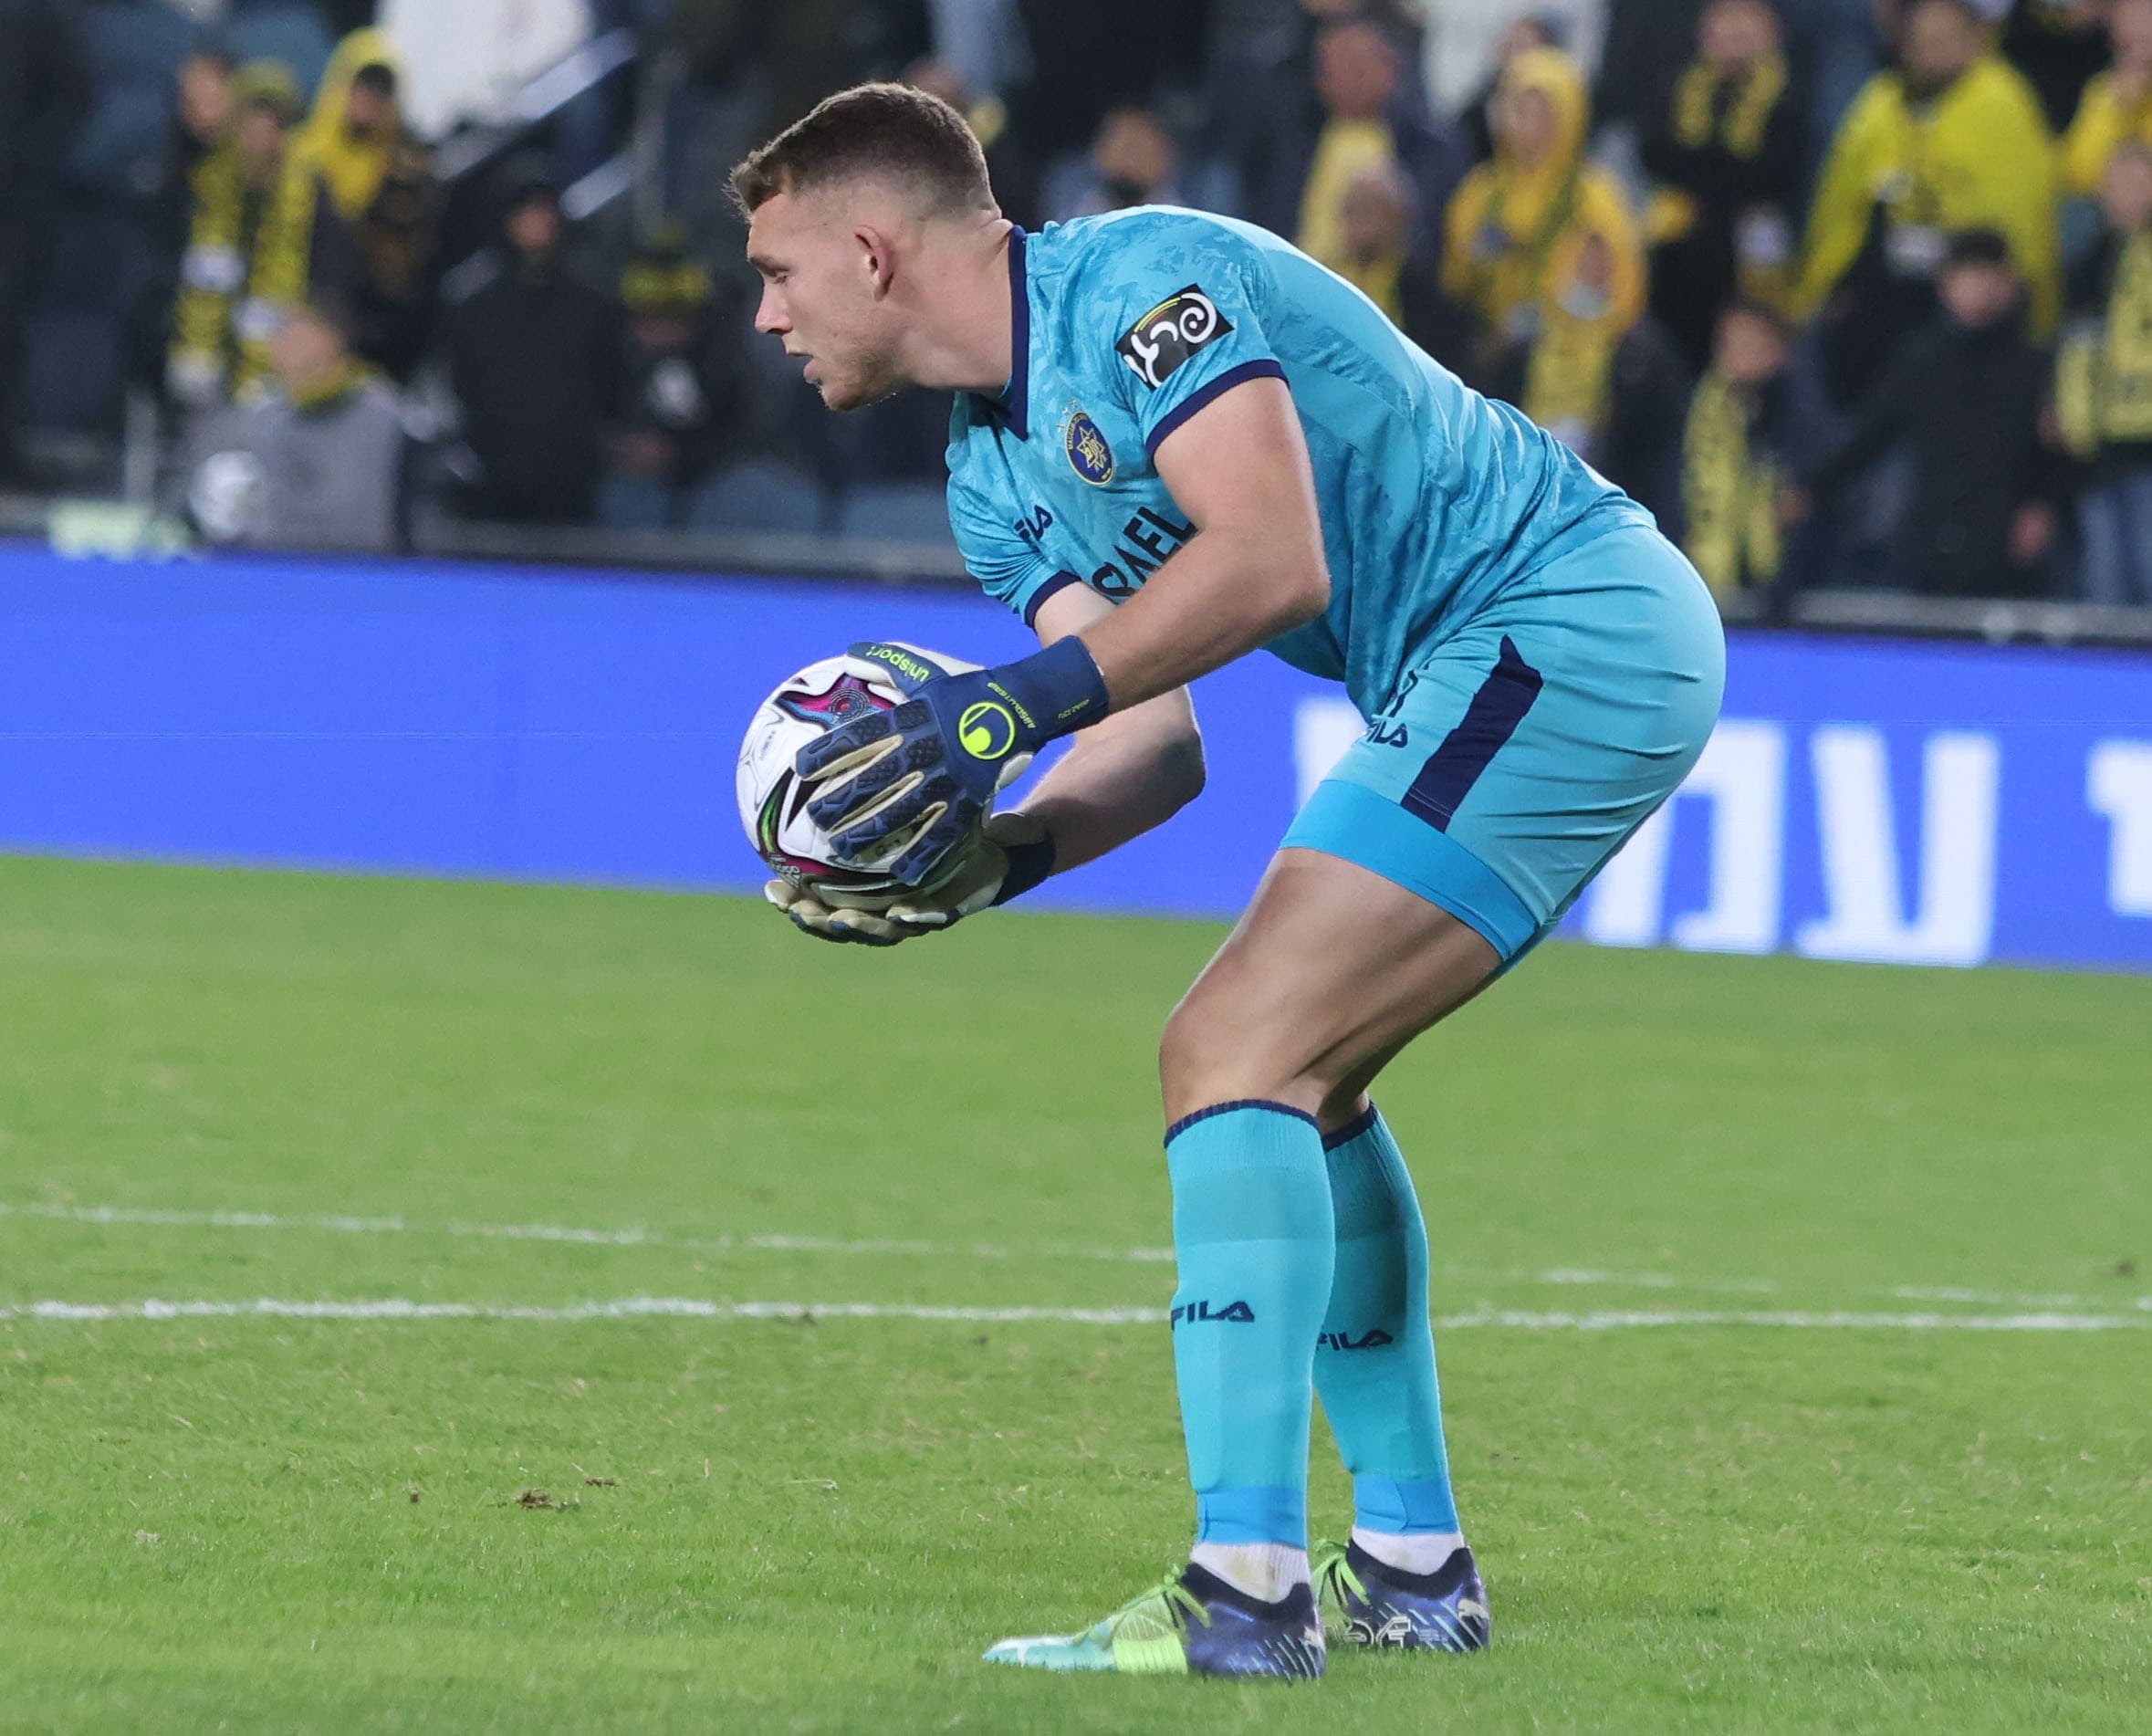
(1177, 440)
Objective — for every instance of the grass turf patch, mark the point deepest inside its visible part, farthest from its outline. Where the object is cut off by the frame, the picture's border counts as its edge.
(817, 1526)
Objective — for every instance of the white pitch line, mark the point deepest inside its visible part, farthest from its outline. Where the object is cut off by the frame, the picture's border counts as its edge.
(695, 1308)
(634, 1235)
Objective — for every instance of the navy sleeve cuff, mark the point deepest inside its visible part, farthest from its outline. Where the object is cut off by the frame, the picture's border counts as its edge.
(1264, 368)
(1060, 582)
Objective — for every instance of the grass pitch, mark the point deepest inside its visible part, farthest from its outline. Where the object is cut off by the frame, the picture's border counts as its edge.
(1880, 1460)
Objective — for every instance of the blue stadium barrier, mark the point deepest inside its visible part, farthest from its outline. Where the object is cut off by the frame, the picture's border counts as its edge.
(1912, 802)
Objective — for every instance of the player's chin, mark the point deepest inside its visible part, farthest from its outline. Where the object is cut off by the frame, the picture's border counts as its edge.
(858, 392)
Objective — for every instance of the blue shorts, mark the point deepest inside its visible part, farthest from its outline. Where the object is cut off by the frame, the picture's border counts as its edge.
(1505, 770)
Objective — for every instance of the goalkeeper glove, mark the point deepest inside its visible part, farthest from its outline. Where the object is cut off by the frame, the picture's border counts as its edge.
(906, 788)
(1010, 856)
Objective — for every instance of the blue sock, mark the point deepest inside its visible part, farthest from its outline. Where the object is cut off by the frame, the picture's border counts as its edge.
(1251, 1230)
(1374, 1364)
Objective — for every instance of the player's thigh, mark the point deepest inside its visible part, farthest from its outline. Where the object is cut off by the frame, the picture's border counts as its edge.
(1504, 772)
(1329, 972)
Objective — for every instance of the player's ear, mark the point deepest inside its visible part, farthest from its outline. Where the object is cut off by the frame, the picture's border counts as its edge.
(878, 255)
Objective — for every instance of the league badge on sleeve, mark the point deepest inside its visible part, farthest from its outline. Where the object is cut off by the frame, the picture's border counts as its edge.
(1170, 333)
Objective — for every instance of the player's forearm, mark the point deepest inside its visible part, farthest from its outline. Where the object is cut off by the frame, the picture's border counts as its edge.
(1227, 593)
(1132, 773)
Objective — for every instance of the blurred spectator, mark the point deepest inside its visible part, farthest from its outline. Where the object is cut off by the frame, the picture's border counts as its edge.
(682, 400)
(1646, 44)
(2059, 46)
(201, 120)
(800, 51)
(1383, 261)
(1518, 227)
(1534, 30)
(1727, 160)
(468, 62)
(220, 328)
(358, 208)
(1014, 178)
(535, 357)
(1359, 80)
(1964, 397)
(1836, 49)
(1087, 59)
(1747, 436)
(318, 459)
(2103, 387)
(1132, 162)
(1952, 138)
(44, 94)
(2117, 105)
(1603, 378)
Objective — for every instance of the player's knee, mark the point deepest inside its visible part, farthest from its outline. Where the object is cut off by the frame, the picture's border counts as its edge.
(1207, 1056)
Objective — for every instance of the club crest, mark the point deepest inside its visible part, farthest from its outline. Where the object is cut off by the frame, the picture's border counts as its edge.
(1089, 455)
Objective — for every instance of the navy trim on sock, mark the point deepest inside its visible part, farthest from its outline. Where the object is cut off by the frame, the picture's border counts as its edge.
(1186, 1122)
(1352, 1130)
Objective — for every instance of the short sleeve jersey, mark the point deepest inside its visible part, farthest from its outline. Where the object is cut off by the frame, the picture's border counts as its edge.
(1433, 498)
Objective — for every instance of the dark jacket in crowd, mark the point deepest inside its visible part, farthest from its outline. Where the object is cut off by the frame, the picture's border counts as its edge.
(1646, 44)
(45, 91)
(1727, 158)
(683, 405)
(1091, 58)
(2059, 50)
(534, 356)
(1965, 402)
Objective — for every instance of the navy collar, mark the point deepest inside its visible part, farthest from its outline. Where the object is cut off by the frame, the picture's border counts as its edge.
(1013, 405)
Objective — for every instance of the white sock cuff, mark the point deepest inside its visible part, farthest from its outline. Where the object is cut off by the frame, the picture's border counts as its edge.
(1264, 1571)
(1417, 1552)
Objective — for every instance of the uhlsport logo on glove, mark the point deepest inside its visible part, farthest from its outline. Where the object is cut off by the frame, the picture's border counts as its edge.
(987, 731)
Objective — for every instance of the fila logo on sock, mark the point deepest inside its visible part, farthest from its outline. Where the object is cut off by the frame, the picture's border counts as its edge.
(1190, 1312)
(1376, 1338)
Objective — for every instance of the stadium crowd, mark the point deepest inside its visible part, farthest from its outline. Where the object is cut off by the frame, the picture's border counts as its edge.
(1846, 291)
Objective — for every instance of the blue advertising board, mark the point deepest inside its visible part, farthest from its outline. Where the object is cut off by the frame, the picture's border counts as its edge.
(1897, 801)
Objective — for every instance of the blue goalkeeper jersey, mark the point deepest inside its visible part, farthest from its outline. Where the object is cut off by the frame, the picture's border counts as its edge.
(1434, 498)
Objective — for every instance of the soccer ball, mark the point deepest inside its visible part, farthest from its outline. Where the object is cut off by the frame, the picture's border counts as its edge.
(773, 802)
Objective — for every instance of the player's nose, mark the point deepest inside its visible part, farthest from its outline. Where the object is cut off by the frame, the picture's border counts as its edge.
(769, 313)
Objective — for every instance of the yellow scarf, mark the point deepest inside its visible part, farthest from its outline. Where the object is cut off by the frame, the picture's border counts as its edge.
(1730, 502)
(1755, 95)
(1346, 151)
(1568, 382)
(2103, 374)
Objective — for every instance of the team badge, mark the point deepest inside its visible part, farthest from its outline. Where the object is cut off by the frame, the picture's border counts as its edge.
(1089, 455)
(1170, 333)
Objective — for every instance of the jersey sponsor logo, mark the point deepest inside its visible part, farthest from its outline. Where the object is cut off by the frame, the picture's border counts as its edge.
(1089, 455)
(1188, 1313)
(1145, 541)
(1170, 333)
(1031, 529)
